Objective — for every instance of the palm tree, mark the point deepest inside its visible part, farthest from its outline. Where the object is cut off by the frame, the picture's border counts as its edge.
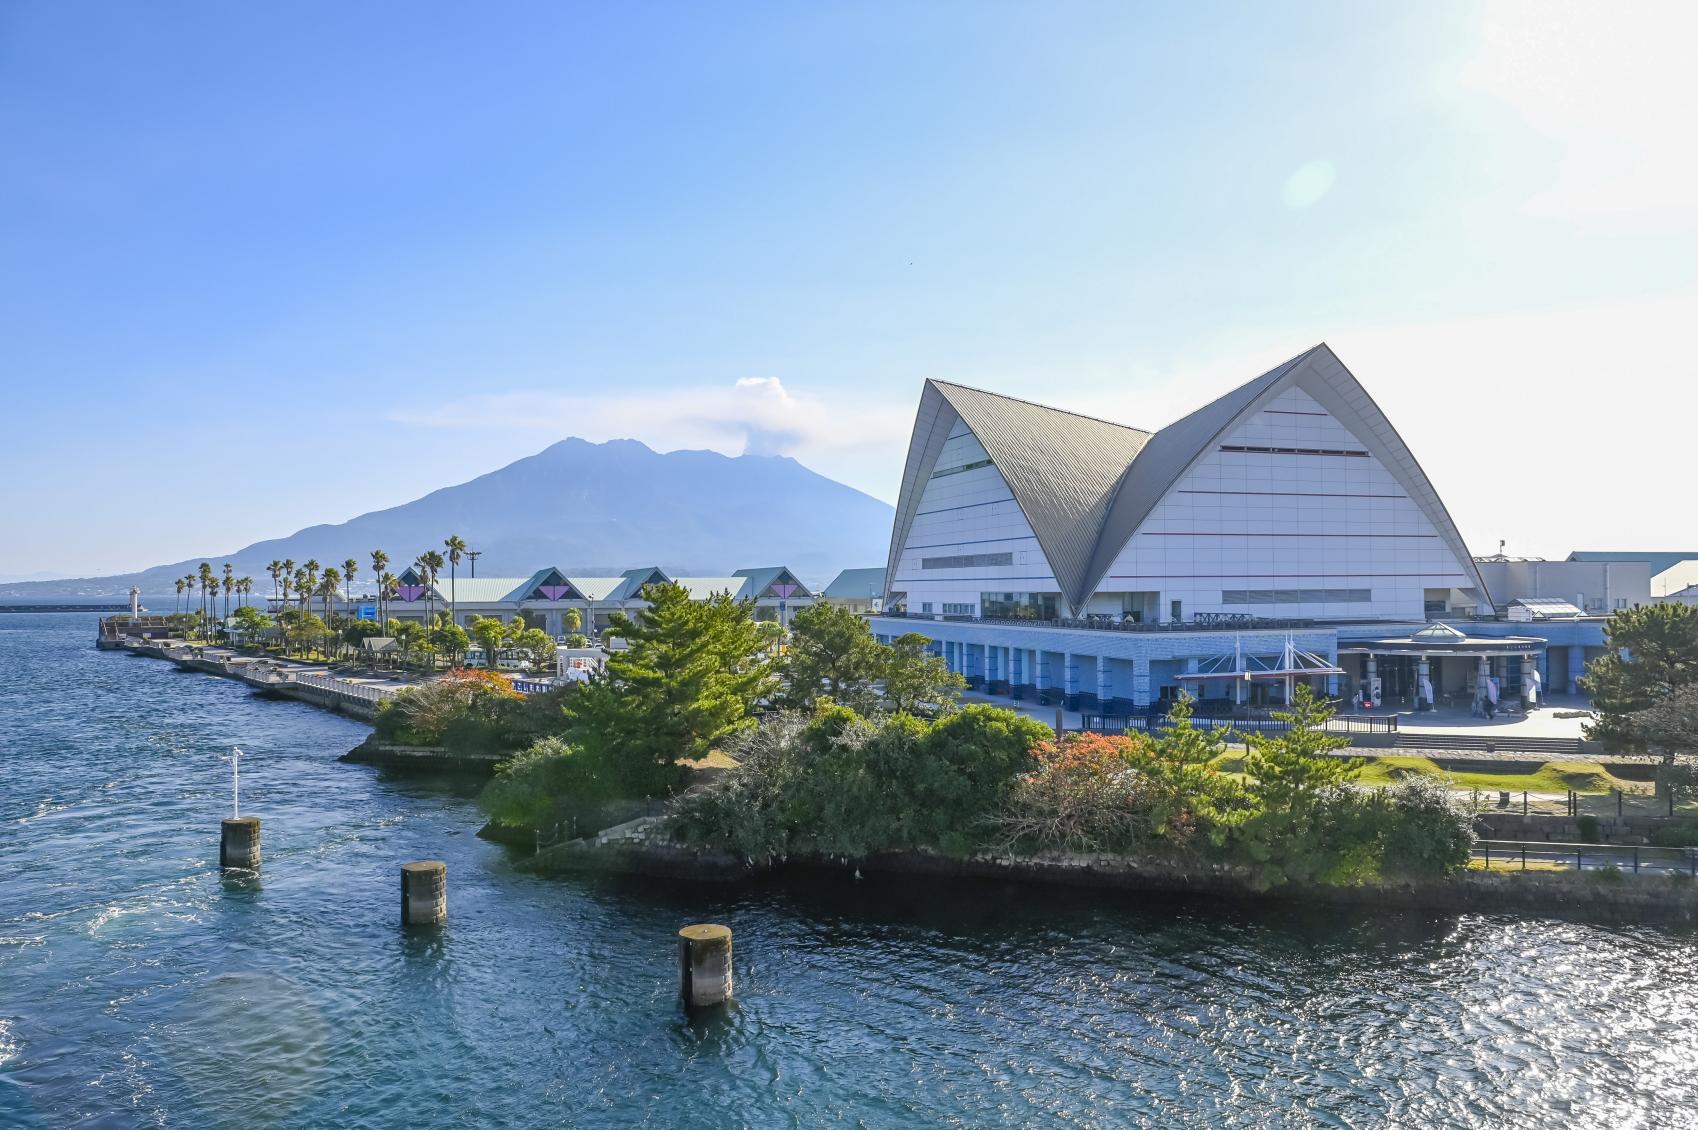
(348, 568)
(455, 545)
(245, 587)
(179, 594)
(312, 573)
(385, 586)
(328, 589)
(472, 555)
(379, 560)
(229, 585)
(274, 568)
(208, 591)
(287, 583)
(304, 584)
(431, 563)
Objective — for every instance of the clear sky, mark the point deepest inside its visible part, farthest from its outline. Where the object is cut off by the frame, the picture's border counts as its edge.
(268, 265)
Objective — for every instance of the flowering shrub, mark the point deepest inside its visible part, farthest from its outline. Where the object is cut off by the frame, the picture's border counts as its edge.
(1085, 794)
(466, 708)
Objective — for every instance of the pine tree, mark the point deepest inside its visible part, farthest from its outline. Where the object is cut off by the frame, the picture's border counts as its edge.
(1650, 660)
(832, 655)
(690, 677)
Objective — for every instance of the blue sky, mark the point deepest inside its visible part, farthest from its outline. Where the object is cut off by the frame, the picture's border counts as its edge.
(271, 265)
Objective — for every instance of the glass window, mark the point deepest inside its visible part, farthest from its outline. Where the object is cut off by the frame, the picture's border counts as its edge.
(1019, 605)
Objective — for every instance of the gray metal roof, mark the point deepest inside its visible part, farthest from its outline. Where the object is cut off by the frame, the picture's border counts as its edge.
(756, 581)
(1161, 463)
(852, 583)
(1085, 485)
(1060, 466)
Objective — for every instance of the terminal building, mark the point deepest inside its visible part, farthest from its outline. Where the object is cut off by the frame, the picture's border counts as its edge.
(543, 598)
(1282, 533)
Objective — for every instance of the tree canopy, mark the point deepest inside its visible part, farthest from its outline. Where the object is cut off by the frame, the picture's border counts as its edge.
(690, 677)
(1649, 664)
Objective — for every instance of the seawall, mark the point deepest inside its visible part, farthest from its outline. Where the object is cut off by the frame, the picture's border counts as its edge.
(1589, 895)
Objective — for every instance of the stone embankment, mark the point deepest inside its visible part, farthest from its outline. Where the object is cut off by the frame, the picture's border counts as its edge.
(309, 683)
(645, 847)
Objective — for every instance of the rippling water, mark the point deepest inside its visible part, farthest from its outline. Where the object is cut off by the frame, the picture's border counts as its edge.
(138, 987)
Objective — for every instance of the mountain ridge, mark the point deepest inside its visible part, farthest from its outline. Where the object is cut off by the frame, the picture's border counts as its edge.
(590, 508)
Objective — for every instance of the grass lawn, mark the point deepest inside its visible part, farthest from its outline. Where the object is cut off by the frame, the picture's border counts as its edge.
(1551, 777)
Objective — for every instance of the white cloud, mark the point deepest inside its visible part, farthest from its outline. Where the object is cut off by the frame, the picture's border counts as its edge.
(1612, 86)
(850, 438)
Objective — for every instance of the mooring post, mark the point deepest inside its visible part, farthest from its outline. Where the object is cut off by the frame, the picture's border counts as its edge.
(238, 842)
(424, 893)
(704, 963)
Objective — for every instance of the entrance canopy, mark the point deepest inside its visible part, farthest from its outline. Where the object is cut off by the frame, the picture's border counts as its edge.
(1293, 663)
(1439, 640)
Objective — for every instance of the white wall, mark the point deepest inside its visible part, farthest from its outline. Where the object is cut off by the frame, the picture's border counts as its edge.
(1596, 586)
(972, 512)
(1288, 522)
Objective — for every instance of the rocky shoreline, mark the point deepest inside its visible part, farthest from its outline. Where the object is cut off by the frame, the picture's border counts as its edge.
(644, 848)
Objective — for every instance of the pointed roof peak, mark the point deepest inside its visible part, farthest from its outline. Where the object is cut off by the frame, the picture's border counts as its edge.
(942, 384)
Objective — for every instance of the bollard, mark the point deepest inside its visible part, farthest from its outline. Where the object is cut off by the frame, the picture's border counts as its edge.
(424, 893)
(704, 961)
(238, 842)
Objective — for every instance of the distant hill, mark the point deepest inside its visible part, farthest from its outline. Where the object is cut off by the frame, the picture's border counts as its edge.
(593, 508)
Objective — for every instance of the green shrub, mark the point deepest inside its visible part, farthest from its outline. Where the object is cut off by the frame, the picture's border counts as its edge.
(1586, 827)
(1681, 833)
(1423, 832)
(550, 783)
(843, 785)
(1608, 873)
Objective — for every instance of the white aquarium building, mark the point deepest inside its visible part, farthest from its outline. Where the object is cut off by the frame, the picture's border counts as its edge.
(1059, 556)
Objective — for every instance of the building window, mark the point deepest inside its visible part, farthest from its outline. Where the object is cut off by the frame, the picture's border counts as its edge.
(1294, 450)
(1178, 610)
(967, 561)
(963, 467)
(1305, 596)
(1018, 605)
(957, 609)
(925, 607)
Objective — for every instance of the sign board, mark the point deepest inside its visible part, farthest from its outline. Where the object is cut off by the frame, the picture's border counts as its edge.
(366, 612)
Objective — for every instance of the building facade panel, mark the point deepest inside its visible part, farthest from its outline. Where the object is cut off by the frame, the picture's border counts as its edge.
(1289, 515)
(968, 537)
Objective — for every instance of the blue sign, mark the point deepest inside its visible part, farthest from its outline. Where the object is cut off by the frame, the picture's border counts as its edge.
(366, 612)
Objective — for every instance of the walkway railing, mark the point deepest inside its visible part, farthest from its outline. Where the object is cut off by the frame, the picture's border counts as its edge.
(1225, 621)
(1537, 855)
(360, 692)
(1122, 723)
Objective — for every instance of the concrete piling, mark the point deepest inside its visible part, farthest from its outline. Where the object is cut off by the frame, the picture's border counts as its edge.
(238, 842)
(704, 961)
(424, 893)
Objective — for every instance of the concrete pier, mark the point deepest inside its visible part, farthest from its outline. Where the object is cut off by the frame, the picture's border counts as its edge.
(704, 960)
(238, 842)
(424, 893)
